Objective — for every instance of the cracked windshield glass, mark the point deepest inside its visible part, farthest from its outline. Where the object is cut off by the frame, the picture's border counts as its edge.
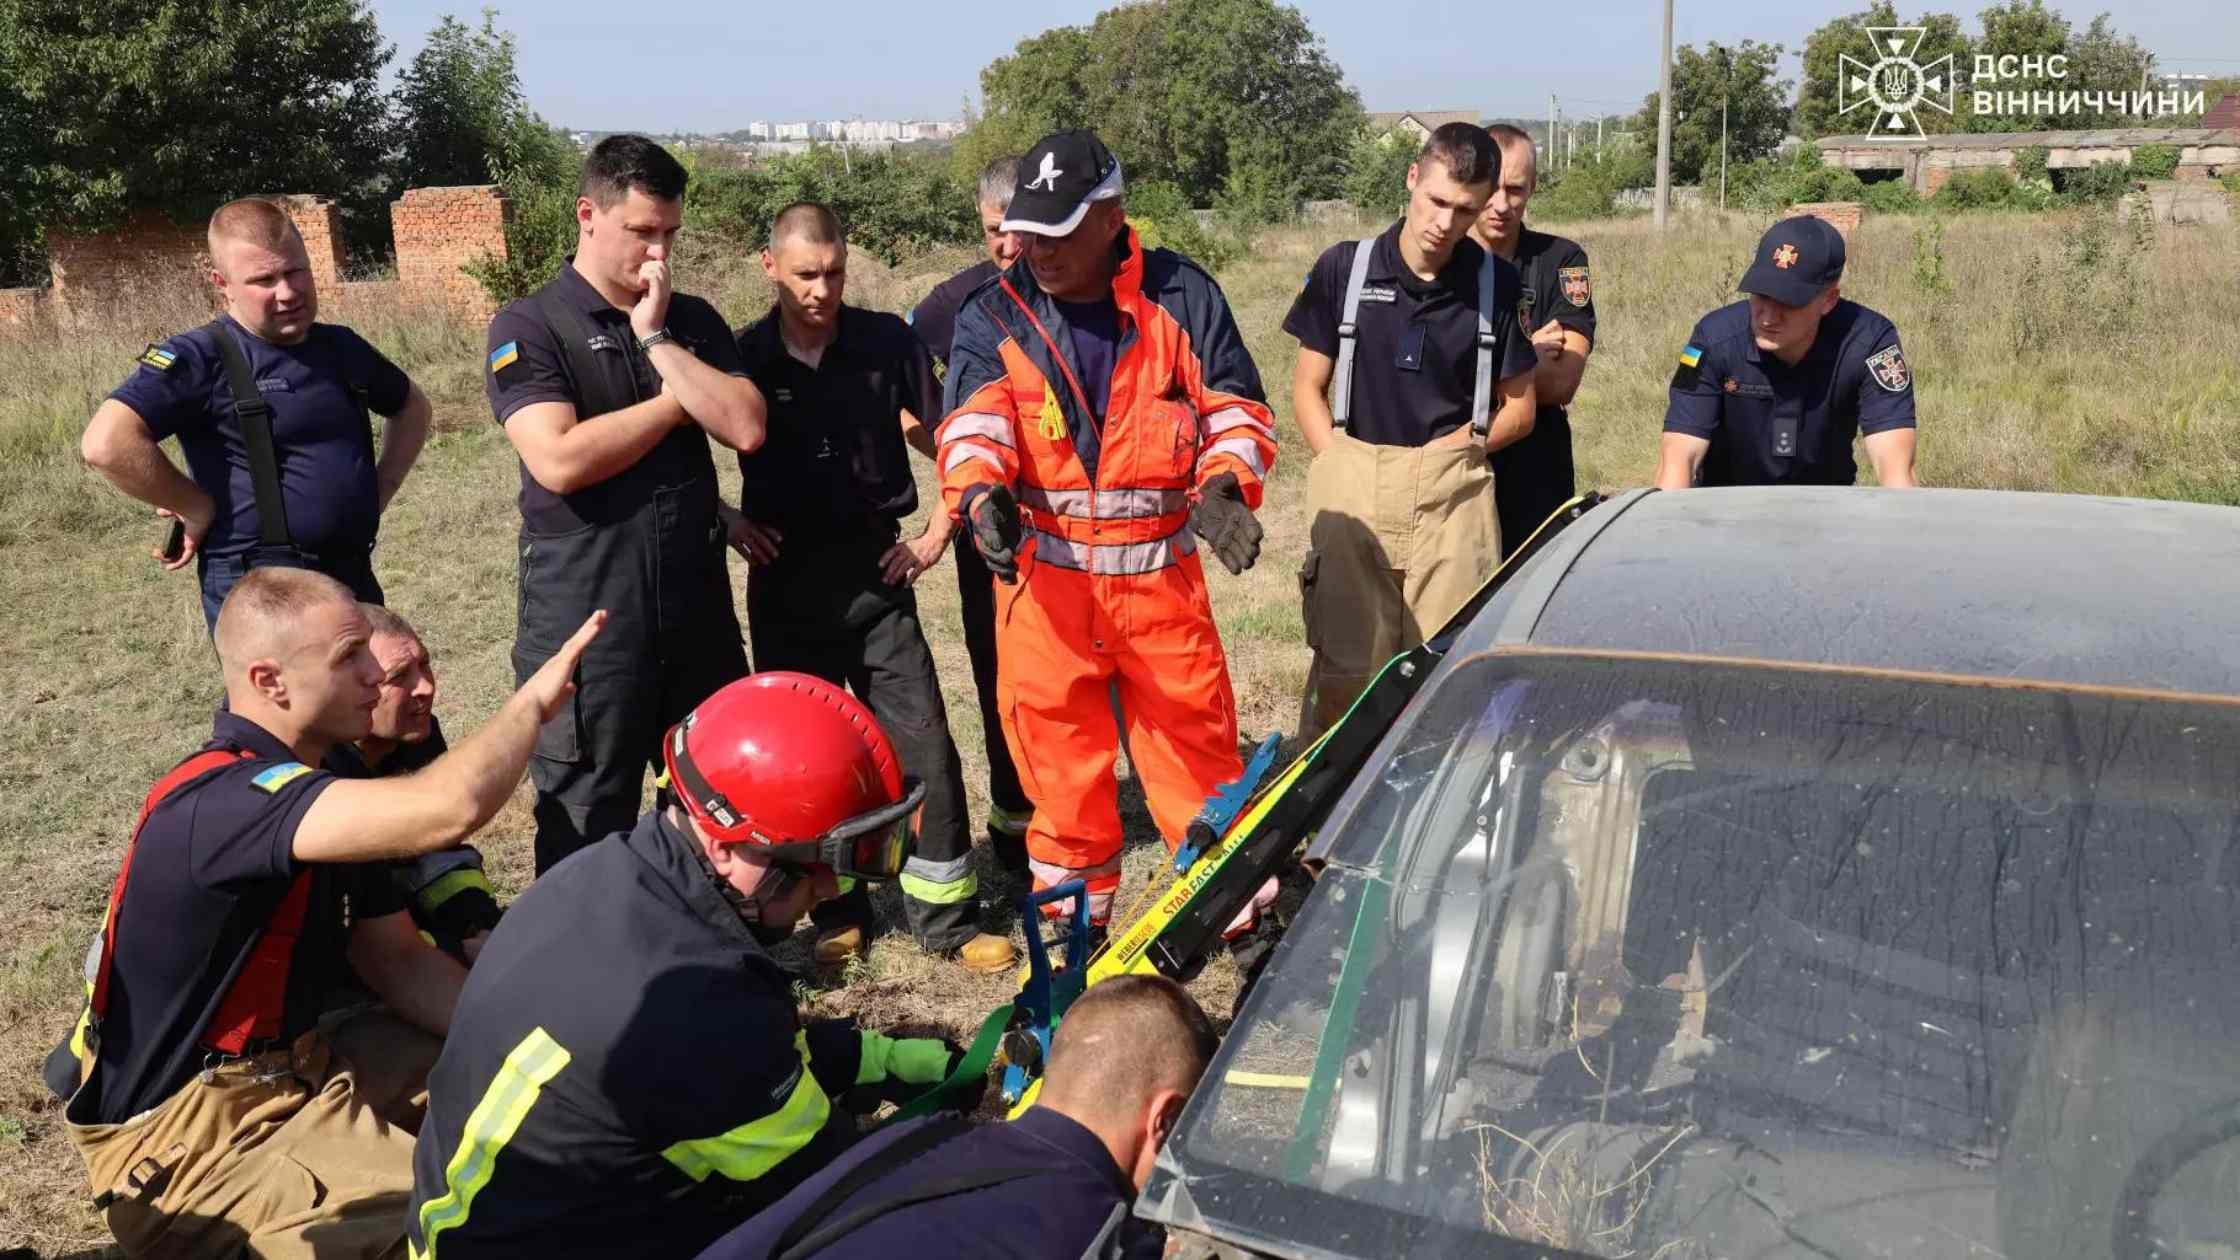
(1670, 960)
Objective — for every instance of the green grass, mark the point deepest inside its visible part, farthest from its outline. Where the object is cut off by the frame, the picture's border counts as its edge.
(2056, 352)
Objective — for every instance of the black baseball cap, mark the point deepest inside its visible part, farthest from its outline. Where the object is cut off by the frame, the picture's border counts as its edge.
(1798, 258)
(1058, 178)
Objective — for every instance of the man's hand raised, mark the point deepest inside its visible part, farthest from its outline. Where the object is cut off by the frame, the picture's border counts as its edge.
(555, 680)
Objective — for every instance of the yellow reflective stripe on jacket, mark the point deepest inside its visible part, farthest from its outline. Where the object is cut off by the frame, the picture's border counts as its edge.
(759, 1145)
(450, 884)
(494, 1121)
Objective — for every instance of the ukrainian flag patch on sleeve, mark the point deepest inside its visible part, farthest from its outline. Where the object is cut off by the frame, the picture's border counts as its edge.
(505, 356)
(158, 358)
(272, 779)
(1691, 356)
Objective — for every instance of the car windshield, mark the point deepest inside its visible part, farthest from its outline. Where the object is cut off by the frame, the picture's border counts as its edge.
(1630, 958)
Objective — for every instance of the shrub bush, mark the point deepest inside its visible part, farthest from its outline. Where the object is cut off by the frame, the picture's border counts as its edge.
(2098, 184)
(2154, 161)
(1377, 174)
(1984, 188)
(1892, 196)
(2030, 163)
(1163, 218)
(2231, 182)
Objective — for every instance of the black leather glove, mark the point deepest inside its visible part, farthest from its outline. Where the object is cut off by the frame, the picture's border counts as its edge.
(994, 517)
(1226, 524)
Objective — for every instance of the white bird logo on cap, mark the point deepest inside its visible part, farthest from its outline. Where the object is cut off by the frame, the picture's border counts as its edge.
(1047, 178)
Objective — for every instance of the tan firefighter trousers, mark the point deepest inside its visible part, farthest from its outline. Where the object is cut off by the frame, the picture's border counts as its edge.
(280, 1157)
(1399, 538)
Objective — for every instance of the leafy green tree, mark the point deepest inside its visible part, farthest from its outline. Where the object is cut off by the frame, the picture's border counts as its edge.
(2099, 58)
(462, 118)
(1819, 95)
(1215, 96)
(1745, 77)
(179, 106)
(1377, 172)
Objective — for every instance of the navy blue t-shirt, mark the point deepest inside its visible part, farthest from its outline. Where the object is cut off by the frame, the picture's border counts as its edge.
(320, 390)
(1095, 331)
(211, 864)
(1772, 424)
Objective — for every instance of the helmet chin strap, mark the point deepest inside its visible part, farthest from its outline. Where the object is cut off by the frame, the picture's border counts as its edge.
(748, 906)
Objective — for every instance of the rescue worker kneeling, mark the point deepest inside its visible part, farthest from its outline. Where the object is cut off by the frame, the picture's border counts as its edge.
(220, 1112)
(629, 1073)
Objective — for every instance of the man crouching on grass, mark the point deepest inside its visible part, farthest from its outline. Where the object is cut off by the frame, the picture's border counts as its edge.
(218, 1114)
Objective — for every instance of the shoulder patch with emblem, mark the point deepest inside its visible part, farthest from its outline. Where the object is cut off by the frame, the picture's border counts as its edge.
(1690, 369)
(158, 358)
(1888, 367)
(505, 356)
(1577, 288)
(273, 778)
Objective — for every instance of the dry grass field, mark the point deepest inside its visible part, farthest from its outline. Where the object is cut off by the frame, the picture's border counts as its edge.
(2060, 352)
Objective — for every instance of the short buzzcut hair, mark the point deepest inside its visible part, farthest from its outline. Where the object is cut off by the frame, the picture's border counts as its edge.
(386, 623)
(263, 610)
(622, 162)
(1123, 1041)
(1513, 139)
(998, 180)
(1465, 150)
(254, 221)
(811, 221)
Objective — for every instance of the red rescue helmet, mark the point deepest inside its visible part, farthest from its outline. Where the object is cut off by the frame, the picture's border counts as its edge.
(796, 766)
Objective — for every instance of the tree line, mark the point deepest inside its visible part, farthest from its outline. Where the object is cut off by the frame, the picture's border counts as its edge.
(108, 108)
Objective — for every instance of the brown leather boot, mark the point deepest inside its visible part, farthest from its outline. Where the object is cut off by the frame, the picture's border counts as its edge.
(836, 946)
(987, 953)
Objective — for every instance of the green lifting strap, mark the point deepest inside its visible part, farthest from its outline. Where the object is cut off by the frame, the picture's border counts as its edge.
(973, 1066)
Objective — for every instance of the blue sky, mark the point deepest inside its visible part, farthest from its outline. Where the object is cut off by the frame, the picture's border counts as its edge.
(698, 65)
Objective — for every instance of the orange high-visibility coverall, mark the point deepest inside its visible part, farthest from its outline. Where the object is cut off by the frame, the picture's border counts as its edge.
(1110, 590)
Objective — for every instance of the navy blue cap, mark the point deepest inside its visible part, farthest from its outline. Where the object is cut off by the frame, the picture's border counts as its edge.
(1798, 258)
(1058, 179)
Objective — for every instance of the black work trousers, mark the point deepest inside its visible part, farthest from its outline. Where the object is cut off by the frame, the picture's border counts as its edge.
(822, 608)
(1532, 477)
(671, 640)
(976, 599)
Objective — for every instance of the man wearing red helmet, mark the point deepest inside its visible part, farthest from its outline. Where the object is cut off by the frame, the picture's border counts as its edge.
(628, 1072)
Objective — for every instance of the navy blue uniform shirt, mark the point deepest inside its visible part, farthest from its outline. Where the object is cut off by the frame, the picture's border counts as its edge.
(211, 865)
(1074, 1204)
(526, 365)
(1416, 355)
(935, 318)
(834, 458)
(320, 390)
(1770, 424)
(1559, 287)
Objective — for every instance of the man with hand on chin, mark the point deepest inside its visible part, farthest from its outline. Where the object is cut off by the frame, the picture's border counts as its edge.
(608, 383)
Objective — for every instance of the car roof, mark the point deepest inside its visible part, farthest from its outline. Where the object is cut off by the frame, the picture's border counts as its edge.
(2072, 589)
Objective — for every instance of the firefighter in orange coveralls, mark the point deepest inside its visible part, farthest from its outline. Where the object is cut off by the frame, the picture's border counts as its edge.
(1104, 418)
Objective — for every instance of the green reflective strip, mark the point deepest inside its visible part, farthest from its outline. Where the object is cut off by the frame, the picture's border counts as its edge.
(451, 884)
(939, 893)
(1010, 824)
(756, 1147)
(495, 1119)
(847, 885)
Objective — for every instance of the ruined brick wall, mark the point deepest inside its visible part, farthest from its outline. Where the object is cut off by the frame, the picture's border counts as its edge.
(1933, 178)
(148, 252)
(439, 230)
(319, 222)
(1843, 216)
(22, 308)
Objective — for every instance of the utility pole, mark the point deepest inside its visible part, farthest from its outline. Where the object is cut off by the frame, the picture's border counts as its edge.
(1599, 119)
(1664, 124)
(1722, 153)
(1554, 153)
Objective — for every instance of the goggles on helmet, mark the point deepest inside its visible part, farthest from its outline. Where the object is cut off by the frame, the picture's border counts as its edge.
(869, 846)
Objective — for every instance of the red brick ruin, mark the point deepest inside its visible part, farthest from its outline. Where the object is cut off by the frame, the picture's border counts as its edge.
(437, 231)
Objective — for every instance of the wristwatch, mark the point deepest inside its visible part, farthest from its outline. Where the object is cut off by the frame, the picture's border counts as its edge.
(654, 338)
